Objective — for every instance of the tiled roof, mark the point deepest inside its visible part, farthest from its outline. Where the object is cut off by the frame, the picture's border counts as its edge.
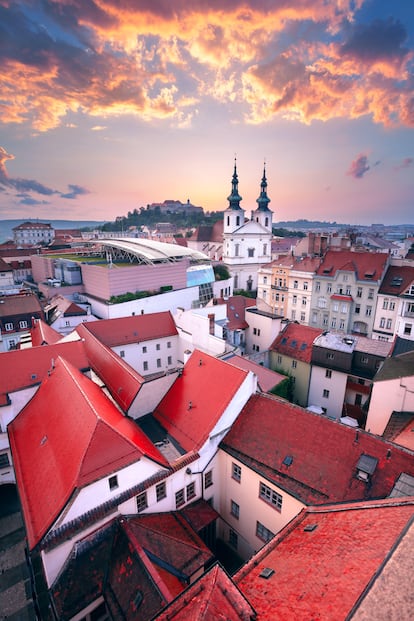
(59, 305)
(75, 435)
(122, 381)
(214, 597)
(31, 225)
(397, 280)
(208, 233)
(42, 334)
(367, 266)
(396, 367)
(198, 398)
(402, 346)
(20, 304)
(266, 378)
(5, 267)
(324, 453)
(136, 329)
(374, 347)
(296, 341)
(306, 264)
(22, 368)
(236, 307)
(323, 561)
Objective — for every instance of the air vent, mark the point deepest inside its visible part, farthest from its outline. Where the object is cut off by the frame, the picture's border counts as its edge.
(266, 573)
(309, 528)
(288, 461)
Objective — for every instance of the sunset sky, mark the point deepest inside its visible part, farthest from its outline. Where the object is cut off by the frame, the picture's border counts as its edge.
(108, 105)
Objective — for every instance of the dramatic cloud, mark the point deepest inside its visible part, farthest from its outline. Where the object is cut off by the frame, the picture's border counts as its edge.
(359, 167)
(24, 186)
(305, 60)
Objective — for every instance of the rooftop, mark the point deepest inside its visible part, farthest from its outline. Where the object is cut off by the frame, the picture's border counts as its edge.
(296, 341)
(134, 329)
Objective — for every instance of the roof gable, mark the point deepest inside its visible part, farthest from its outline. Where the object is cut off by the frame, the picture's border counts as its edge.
(251, 227)
(324, 453)
(43, 334)
(296, 341)
(75, 435)
(397, 280)
(367, 266)
(135, 329)
(198, 398)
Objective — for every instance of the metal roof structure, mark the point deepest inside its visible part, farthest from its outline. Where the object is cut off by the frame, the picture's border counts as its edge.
(133, 249)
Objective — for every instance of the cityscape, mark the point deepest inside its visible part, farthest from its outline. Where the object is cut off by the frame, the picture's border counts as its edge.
(206, 310)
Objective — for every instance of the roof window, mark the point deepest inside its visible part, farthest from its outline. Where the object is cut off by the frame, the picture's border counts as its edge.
(266, 573)
(366, 467)
(396, 281)
(288, 461)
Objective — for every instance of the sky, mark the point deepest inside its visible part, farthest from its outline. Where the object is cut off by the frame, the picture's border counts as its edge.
(109, 105)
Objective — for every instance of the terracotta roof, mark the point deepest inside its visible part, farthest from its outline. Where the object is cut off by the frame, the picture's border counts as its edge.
(42, 334)
(325, 453)
(236, 307)
(323, 561)
(213, 597)
(208, 233)
(367, 266)
(198, 398)
(296, 341)
(122, 381)
(75, 435)
(397, 280)
(136, 329)
(31, 225)
(59, 305)
(5, 267)
(22, 368)
(306, 264)
(19, 304)
(266, 378)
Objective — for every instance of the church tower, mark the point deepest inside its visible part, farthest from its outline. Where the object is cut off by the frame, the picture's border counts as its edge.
(234, 214)
(263, 215)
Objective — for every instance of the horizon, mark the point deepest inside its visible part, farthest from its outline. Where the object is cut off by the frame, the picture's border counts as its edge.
(109, 107)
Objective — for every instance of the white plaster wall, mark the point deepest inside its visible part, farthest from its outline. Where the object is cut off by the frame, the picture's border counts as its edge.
(194, 330)
(151, 394)
(146, 351)
(269, 329)
(336, 385)
(18, 400)
(396, 395)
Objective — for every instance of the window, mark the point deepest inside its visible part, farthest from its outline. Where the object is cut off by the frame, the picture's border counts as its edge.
(385, 303)
(357, 309)
(302, 317)
(191, 491)
(208, 479)
(333, 322)
(329, 288)
(169, 344)
(364, 359)
(325, 319)
(158, 347)
(270, 496)
(4, 460)
(279, 360)
(322, 303)
(142, 502)
(9, 326)
(234, 509)
(392, 305)
(368, 311)
(325, 393)
(144, 349)
(389, 324)
(236, 250)
(359, 292)
(254, 330)
(328, 373)
(250, 252)
(407, 329)
(236, 472)
(317, 286)
(305, 285)
(23, 324)
(294, 299)
(122, 353)
(265, 280)
(113, 482)
(330, 355)
(263, 533)
(303, 301)
(67, 323)
(344, 308)
(370, 294)
(382, 322)
(348, 291)
(145, 365)
(314, 317)
(410, 308)
(179, 498)
(161, 491)
(295, 284)
(158, 363)
(294, 364)
(169, 360)
(233, 538)
(342, 325)
(293, 314)
(335, 307)
(258, 331)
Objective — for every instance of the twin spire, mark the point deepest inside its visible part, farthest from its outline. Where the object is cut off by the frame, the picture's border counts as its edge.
(235, 198)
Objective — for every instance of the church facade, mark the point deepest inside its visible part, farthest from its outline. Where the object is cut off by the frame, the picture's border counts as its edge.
(246, 242)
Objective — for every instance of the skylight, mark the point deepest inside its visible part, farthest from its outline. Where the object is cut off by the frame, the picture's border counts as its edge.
(366, 467)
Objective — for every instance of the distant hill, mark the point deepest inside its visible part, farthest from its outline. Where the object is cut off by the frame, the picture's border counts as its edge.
(7, 226)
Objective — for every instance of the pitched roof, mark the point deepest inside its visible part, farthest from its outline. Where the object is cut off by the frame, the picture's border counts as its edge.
(75, 435)
(296, 341)
(20, 304)
(236, 308)
(396, 367)
(266, 378)
(324, 453)
(43, 334)
(198, 398)
(348, 546)
(122, 381)
(367, 266)
(4, 266)
(59, 305)
(136, 329)
(212, 597)
(22, 368)
(397, 279)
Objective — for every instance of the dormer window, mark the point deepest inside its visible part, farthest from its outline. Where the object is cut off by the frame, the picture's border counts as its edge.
(366, 467)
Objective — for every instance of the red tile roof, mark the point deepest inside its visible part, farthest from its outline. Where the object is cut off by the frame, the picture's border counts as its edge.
(22, 368)
(324, 560)
(296, 341)
(236, 307)
(368, 266)
(198, 398)
(325, 453)
(213, 597)
(134, 329)
(21, 303)
(266, 378)
(397, 280)
(75, 435)
(42, 334)
(122, 381)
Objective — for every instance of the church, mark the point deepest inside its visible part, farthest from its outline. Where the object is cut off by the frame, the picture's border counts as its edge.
(247, 243)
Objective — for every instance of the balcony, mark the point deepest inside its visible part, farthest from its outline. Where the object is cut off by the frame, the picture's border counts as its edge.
(278, 287)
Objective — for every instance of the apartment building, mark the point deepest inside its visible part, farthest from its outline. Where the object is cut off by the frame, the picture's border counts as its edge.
(300, 285)
(394, 314)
